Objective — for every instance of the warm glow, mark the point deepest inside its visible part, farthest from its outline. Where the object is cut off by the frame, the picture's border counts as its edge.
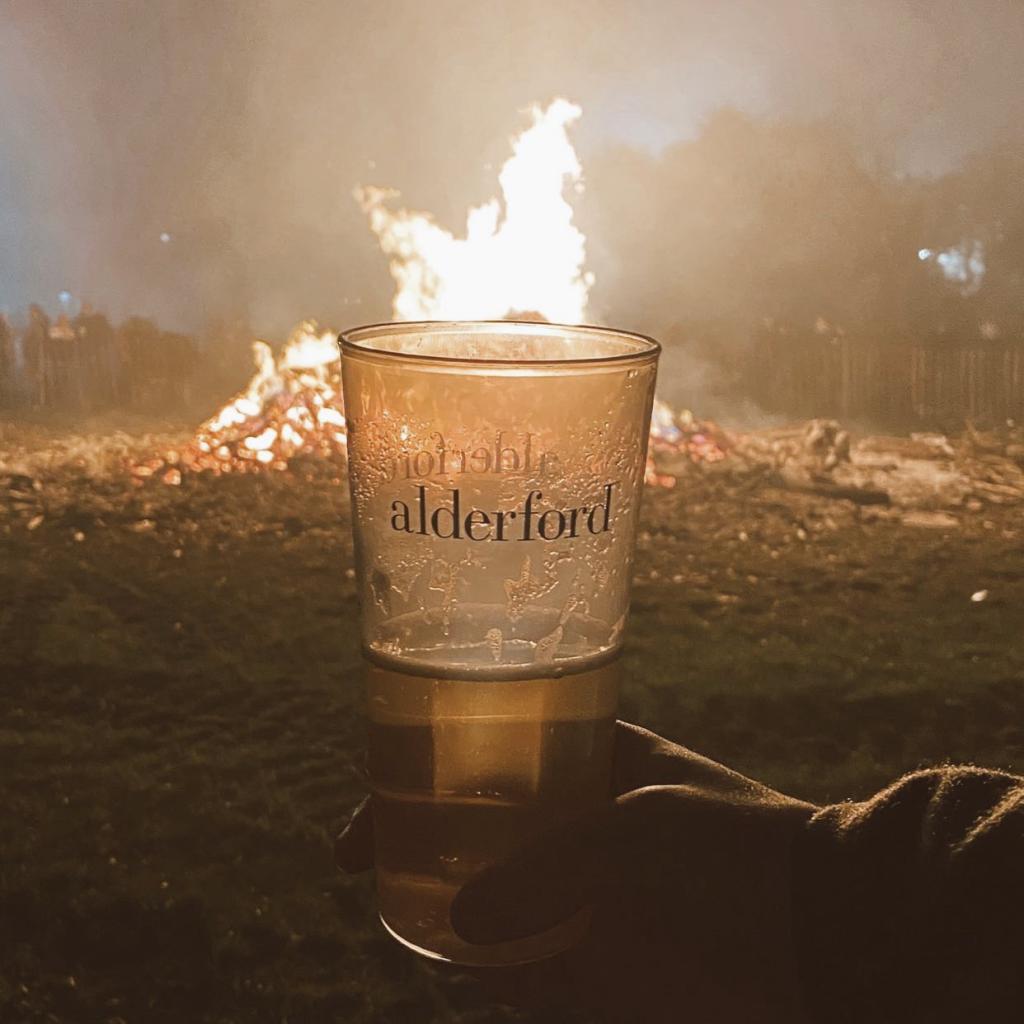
(520, 254)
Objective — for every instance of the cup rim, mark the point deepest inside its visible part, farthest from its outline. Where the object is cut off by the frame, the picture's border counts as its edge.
(350, 343)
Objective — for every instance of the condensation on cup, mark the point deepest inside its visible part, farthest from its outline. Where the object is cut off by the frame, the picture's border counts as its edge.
(496, 471)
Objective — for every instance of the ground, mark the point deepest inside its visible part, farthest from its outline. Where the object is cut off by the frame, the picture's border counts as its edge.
(181, 731)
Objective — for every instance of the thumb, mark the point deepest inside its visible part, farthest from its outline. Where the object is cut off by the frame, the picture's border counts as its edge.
(542, 885)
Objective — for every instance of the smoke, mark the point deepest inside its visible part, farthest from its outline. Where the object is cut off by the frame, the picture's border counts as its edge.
(190, 160)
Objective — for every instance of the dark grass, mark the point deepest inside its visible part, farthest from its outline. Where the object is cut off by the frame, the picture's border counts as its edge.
(181, 735)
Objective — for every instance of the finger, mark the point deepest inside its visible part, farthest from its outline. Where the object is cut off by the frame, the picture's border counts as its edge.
(353, 846)
(643, 758)
(543, 885)
(634, 748)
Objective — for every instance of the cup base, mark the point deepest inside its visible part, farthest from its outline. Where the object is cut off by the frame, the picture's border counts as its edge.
(530, 950)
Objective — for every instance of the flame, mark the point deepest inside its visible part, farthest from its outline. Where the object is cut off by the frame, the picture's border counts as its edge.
(520, 253)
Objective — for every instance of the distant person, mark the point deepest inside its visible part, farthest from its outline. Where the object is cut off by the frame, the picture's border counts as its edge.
(138, 341)
(717, 900)
(227, 348)
(8, 365)
(98, 352)
(180, 360)
(34, 345)
(62, 366)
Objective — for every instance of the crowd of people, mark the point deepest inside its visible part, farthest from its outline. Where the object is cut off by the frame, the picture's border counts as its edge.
(84, 364)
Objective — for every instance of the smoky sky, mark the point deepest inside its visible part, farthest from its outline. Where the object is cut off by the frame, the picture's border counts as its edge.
(194, 159)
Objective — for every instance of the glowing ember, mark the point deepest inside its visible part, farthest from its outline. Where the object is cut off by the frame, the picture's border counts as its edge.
(521, 253)
(680, 434)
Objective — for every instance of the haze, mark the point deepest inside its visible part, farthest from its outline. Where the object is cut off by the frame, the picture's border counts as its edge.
(195, 160)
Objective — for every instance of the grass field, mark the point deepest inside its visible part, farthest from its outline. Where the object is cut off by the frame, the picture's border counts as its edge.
(181, 730)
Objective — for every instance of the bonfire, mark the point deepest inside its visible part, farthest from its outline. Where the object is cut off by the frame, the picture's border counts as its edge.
(520, 252)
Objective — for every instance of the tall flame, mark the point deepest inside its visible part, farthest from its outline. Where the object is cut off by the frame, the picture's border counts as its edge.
(520, 254)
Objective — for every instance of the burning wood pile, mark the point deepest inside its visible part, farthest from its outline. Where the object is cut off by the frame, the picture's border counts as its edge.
(291, 408)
